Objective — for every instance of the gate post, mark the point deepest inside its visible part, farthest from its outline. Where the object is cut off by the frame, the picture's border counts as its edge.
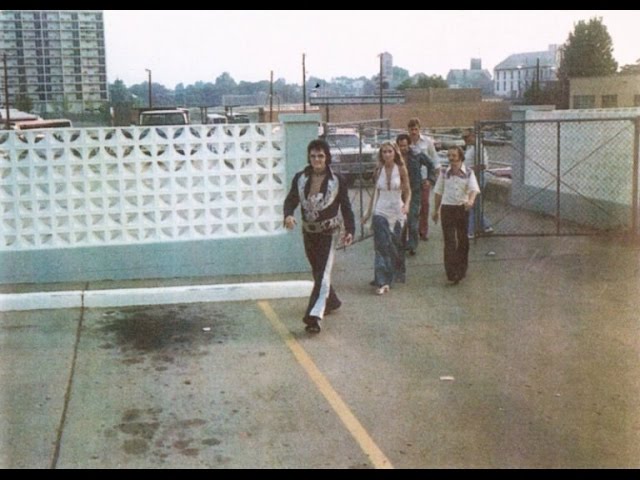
(635, 201)
(558, 173)
(478, 211)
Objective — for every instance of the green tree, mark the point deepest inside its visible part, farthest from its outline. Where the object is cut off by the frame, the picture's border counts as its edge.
(122, 101)
(588, 52)
(24, 103)
(119, 93)
(226, 84)
(399, 76)
(180, 94)
(631, 68)
(432, 81)
(406, 83)
(550, 94)
(421, 80)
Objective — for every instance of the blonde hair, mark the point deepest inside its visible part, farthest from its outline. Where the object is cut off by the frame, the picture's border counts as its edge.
(397, 156)
(399, 161)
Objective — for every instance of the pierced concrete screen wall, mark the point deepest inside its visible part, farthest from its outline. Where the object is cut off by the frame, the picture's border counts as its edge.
(111, 186)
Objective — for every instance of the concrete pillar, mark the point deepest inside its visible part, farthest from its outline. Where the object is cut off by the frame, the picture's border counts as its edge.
(519, 142)
(299, 130)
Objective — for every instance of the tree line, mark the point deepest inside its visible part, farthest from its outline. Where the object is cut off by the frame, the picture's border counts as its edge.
(210, 93)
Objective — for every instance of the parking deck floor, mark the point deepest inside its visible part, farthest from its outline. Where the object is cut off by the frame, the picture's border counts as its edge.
(533, 361)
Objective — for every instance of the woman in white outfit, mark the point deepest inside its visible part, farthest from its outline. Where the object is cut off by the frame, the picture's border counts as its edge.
(389, 204)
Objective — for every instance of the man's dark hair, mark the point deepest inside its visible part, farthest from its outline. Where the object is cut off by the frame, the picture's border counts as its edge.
(403, 136)
(320, 144)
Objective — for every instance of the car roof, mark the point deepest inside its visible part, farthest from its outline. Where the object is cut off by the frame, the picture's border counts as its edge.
(152, 112)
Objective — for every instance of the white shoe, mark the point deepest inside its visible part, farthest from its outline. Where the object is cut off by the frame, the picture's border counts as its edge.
(471, 236)
(382, 290)
(488, 230)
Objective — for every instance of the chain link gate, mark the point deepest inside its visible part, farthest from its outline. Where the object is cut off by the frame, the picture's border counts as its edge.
(558, 177)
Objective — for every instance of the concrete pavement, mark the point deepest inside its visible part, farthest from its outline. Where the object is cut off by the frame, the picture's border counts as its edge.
(532, 361)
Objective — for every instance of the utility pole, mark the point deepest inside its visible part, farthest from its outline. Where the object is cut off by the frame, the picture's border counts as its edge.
(6, 91)
(150, 101)
(537, 77)
(271, 98)
(304, 86)
(380, 85)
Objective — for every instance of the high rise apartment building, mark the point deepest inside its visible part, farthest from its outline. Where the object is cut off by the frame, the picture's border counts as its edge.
(56, 58)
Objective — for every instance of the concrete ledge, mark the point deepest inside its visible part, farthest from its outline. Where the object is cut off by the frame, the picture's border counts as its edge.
(40, 300)
(155, 296)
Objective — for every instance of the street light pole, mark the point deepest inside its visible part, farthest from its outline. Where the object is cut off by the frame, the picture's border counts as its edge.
(381, 85)
(304, 86)
(150, 101)
(271, 98)
(6, 91)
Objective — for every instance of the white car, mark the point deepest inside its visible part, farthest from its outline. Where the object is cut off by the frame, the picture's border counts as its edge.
(172, 116)
(350, 157)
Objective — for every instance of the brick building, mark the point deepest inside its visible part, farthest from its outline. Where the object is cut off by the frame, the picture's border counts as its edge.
(436, 107)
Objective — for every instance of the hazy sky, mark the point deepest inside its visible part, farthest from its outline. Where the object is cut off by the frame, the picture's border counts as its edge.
(187, 46)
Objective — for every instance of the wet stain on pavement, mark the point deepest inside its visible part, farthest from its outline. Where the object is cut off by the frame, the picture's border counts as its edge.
(132, 361)
(164, 358)
(195, 422)
(135, 447)
(155, 329)
(211, 442)
(146, 431)
(160, 335)
(182, 444)
(163, 341)
(190, 452)
(140, 429)
(131, 415)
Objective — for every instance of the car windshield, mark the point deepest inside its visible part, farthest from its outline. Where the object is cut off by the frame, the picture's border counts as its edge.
(343, 141)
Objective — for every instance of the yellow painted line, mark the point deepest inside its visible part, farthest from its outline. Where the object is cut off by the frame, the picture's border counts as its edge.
(368, 446)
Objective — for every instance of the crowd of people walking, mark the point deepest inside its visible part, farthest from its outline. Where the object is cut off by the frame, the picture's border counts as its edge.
(406, 172)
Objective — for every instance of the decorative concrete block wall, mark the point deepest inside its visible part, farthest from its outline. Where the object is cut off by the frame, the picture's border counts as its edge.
(145, 202)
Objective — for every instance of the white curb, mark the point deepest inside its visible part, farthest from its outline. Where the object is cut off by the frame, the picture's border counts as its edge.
(40, 300)
(155, 296)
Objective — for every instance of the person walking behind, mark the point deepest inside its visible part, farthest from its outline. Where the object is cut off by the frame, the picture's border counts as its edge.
(469, 137)
(389, 205)
(415, 161)
(426, 146)
(455, 191)
(322, 194)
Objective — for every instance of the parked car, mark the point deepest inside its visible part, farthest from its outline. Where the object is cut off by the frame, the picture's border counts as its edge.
(445, 142)
(497, 135)
(215, 118)
(238, 118)
(40, 124)
(156, 117)
(351, 157)
(501, 172)
(35, 125)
